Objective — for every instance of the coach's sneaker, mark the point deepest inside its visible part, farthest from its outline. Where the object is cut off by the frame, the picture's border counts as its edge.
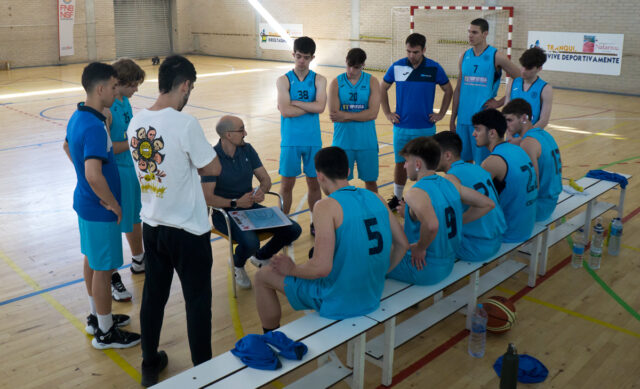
(242, 279)
(150, 371)
(118, 320)
(393, 203)
(114, 338)
(137, 267)
(257, 262)
(118, 291)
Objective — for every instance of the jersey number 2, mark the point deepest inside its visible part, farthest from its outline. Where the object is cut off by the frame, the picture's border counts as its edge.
(373, 235)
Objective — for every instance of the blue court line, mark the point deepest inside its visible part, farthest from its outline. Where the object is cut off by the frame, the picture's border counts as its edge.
(32, 145)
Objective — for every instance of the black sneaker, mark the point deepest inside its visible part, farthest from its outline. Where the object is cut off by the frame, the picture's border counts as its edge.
(118, 320)
(118, 291)
(137, 267)
(114, 338)
(150, 372)
(312, 229)
(393, 202)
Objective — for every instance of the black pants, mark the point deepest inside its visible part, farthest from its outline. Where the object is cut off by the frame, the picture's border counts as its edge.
(166, 249)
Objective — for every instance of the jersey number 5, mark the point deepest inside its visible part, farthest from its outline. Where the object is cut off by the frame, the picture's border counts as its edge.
(373, 235)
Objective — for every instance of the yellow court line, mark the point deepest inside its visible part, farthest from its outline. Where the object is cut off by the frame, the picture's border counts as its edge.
(601, 133)
(114, 356)
(573, 313)
(630, 247)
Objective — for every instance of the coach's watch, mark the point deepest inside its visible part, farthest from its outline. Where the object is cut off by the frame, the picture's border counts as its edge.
(234, 203)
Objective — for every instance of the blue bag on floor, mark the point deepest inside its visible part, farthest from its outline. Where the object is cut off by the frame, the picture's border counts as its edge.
(530, 370)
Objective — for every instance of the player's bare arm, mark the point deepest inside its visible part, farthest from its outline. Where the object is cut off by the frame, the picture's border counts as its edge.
(320, 103)
(456, 97)
(371, 113)
(284, 99)
(545, 110)
(495, 166)
(399, 242)
(479, 204)
(422, 211)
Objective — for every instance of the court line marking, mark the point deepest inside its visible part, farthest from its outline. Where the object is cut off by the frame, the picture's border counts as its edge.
(610, 291)
(630, 247)
(572, 313)
(112, 354)
(586, 138)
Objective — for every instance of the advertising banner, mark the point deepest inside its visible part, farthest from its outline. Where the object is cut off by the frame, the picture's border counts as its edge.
(270, 39)
(66, 14)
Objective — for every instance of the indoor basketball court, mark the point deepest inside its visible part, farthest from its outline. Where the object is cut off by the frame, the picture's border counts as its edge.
(582, 324)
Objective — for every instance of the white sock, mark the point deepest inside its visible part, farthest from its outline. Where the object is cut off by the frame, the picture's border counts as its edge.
(92, 306)
(138, 257)
(397, 190)
(105, 322)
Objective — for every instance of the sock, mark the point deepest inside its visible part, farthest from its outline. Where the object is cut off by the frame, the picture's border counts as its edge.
(397, 190)
(92, 306)
(105, 322)
(265, 330)
(138, 257)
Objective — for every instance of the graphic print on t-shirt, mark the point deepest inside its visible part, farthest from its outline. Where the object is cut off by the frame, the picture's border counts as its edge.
(145, 150)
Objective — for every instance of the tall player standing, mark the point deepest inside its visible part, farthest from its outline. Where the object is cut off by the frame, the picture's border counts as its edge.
(479, 72)
(302, 96)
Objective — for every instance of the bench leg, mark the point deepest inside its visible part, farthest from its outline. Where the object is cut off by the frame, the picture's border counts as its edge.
(533, 262)
(359, 344)
(438, 296)
(621, 203)
(324, 359)
(587, 221)
(389, 346)
(474, 280)
(542, 268)
(350, 354)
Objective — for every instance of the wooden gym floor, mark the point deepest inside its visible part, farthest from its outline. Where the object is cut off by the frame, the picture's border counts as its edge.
(579, 328)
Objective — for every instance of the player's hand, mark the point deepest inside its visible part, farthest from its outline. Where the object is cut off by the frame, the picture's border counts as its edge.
(400, 208)
(452, 125)
(246, 201)
(493, 103)
(418, 256)
(282, 264)
(435, 117)
(338, 116)
(393, 117)
(115, 208)
(258, 196)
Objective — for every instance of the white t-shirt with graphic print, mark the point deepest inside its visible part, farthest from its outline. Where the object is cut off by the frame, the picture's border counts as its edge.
(168, 147)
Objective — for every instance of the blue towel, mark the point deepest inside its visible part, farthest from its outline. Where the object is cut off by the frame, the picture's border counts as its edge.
(530, 370)
(288, 348)
(607, 176)
(254, 352)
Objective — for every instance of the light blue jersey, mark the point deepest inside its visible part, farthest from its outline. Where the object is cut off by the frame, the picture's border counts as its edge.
(302, 130)
(533, 95)
(360, 261)
(480, 81)
(550, 170)
(481, 238)
(121, 114)
(441, 253)
(355, 135)
(517, 192)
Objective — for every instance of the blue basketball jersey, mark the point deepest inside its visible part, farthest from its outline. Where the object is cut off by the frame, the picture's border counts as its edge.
(533, 95)
(302, 130)
(517, 192)
(446, 202)
(550, 170)
(480, 82)
(355, 98)
(491, 226)
(361, 258)
(121, 115)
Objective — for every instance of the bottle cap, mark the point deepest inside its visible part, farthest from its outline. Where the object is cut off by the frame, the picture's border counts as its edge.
(480, 306)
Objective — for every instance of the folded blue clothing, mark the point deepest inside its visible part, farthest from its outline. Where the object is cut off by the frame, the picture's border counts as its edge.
(608, 176)
(530, 370)
(288, 348)
(254, 352)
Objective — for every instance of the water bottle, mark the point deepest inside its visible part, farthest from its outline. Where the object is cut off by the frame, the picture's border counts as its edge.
(578, 249)
(595, 253)
(614, 237)
(478, 335)
(509, 372)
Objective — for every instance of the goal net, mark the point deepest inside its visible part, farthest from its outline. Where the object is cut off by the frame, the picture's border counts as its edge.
(446, 30)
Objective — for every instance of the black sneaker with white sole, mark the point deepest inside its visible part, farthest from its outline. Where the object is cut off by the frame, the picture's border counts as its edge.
(393, 202)
(114, 338)
(118, 320)
(150, 371)
(137, 267)
(118, 291)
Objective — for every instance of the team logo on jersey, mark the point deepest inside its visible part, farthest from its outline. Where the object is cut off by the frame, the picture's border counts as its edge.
(145, 150)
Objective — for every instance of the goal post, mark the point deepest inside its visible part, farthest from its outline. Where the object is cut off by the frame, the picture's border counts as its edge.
(446, 30)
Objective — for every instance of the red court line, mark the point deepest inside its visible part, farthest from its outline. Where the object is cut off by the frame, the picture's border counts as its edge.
(455, 339)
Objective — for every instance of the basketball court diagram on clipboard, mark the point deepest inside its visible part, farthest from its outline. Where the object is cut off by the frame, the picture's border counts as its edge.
(260, 218)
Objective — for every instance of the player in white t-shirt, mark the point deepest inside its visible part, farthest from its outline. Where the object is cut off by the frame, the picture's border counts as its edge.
(177, 168)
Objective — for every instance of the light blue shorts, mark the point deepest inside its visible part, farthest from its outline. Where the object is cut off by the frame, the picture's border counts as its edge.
(290, 157)
(130, 198)
(101, 242)
(367, 162)
(301, 293)
(402, 136)
(430, 274)
(477, 250)
(470, 149)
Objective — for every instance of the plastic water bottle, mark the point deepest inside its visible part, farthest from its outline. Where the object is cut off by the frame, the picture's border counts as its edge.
(478, 336)
(578, 249)
(509, 372)
(615, 236)
(595, 253)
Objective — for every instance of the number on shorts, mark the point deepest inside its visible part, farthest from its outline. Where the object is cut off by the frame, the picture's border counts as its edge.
(450, 218)
(373, 235)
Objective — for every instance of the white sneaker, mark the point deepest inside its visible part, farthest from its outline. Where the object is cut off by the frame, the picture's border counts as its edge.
(242, 279)
(259, 262)
(137, 267)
